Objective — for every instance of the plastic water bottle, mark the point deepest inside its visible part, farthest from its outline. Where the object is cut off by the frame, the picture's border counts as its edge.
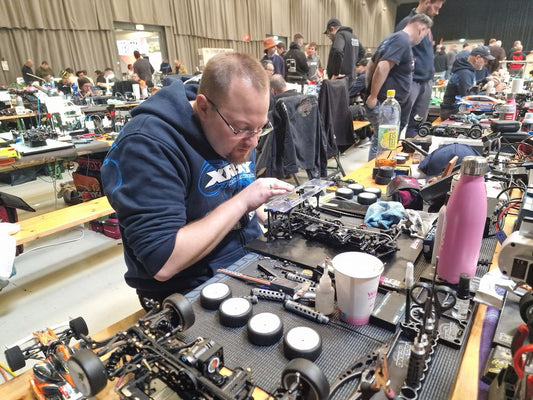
(389, 130)
(466, 214)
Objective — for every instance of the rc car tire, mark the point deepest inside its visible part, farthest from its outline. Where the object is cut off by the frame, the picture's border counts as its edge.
(311, 382)
(264, 329)
(79, 327)
(526, 306)
(475, 132)
(302, 342)
(183, 313)
(213, 294)
(88, 372)
(424, 129)
(15, 358)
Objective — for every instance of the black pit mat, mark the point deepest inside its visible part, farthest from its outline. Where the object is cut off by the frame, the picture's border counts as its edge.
(310, 253)
(341, 346)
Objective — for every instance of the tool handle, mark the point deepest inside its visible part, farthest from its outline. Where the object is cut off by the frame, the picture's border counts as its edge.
(306, 312)
(266, 294)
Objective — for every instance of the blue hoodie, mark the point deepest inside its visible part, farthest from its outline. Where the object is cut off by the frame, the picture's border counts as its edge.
(160, 174)
(462, 79)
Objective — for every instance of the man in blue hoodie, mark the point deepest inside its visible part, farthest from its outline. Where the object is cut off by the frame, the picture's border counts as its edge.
(181, 177)
(463, 78)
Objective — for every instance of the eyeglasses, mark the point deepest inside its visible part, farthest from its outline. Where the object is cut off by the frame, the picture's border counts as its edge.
(265, 130)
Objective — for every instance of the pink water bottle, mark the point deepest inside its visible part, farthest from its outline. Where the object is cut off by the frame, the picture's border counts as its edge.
(466, 213)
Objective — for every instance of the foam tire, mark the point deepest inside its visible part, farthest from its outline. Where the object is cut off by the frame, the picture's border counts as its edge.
(302, 342)
(78, 327)
(475, 132)
(356, 188)
(344, 193)
(308, 380)
(265, 329)
(235, 312)
(181, 312)
(367, 198)
(424, 129)
(214, 294)
(15, 358)
(374, 190)
(87, 372)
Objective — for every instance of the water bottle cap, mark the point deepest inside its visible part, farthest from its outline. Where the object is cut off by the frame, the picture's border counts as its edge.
(391, 93)
(474, 165)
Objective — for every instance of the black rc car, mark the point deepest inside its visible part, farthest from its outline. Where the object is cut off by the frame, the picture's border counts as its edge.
(148, 358)
(451, 129)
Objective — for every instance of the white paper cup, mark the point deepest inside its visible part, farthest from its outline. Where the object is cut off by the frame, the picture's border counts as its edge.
(356, 280)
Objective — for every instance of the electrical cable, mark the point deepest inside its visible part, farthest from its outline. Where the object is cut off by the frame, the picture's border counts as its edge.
(7, 369)
(54, 244)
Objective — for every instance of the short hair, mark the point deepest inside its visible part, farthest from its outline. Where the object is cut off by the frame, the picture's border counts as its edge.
(81, 71)
(265, 63)
(98, 72)
(492, 40)
(422, 19)
(223, 68)
(136, 54)
(465, 45)
(280, 45)
(297, 36)
(69, 70)
(363, 62)
(313, 44)
(82, 81)
(277, 83)
(108, 69)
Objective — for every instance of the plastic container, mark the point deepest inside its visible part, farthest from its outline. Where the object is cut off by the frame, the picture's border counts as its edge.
(466, 214)
(325, 295)
(389, 130)
(508, 110)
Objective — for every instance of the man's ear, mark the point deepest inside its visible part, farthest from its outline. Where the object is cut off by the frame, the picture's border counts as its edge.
(201, 105)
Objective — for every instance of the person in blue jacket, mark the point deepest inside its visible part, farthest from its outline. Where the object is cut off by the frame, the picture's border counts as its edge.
(181, 177)
(463, 78)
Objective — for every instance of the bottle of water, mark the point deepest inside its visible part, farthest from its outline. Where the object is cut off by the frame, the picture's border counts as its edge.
(466, 213)
(389, 130)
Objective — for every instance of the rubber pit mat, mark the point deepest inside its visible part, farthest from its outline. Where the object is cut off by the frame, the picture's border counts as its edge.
(342, 344)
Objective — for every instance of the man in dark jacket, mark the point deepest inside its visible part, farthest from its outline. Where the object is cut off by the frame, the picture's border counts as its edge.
(423, 73)
(181, 177)
(296, 67)
(463, 78)
(345, 50)
(440, 62)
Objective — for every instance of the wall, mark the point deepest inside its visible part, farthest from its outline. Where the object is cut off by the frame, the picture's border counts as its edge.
(80, 33)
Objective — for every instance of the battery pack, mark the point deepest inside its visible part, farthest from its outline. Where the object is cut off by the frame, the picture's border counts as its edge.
(389, 312)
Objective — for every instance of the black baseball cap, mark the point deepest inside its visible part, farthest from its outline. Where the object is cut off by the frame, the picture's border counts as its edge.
(332, 22)
(482, 51)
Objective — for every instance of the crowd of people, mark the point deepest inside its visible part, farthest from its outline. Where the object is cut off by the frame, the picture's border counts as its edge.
(80, 85)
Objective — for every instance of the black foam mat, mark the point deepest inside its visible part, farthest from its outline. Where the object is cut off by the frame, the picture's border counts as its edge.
(342, 344)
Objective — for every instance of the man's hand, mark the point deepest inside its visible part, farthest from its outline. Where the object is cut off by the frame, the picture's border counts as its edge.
(371, 101)
(261, 190)
(340, 76)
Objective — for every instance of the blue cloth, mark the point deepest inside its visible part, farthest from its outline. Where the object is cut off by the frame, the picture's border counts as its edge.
(384, 214)
(436, 162)
(160, 174)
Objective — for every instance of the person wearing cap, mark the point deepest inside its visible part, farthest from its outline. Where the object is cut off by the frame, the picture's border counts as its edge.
(422, 86)
(269, 46)
(391, 67)
(345, 50)
(463, 78)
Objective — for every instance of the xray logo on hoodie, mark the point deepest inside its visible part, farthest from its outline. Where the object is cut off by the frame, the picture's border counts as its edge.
(218, 175)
